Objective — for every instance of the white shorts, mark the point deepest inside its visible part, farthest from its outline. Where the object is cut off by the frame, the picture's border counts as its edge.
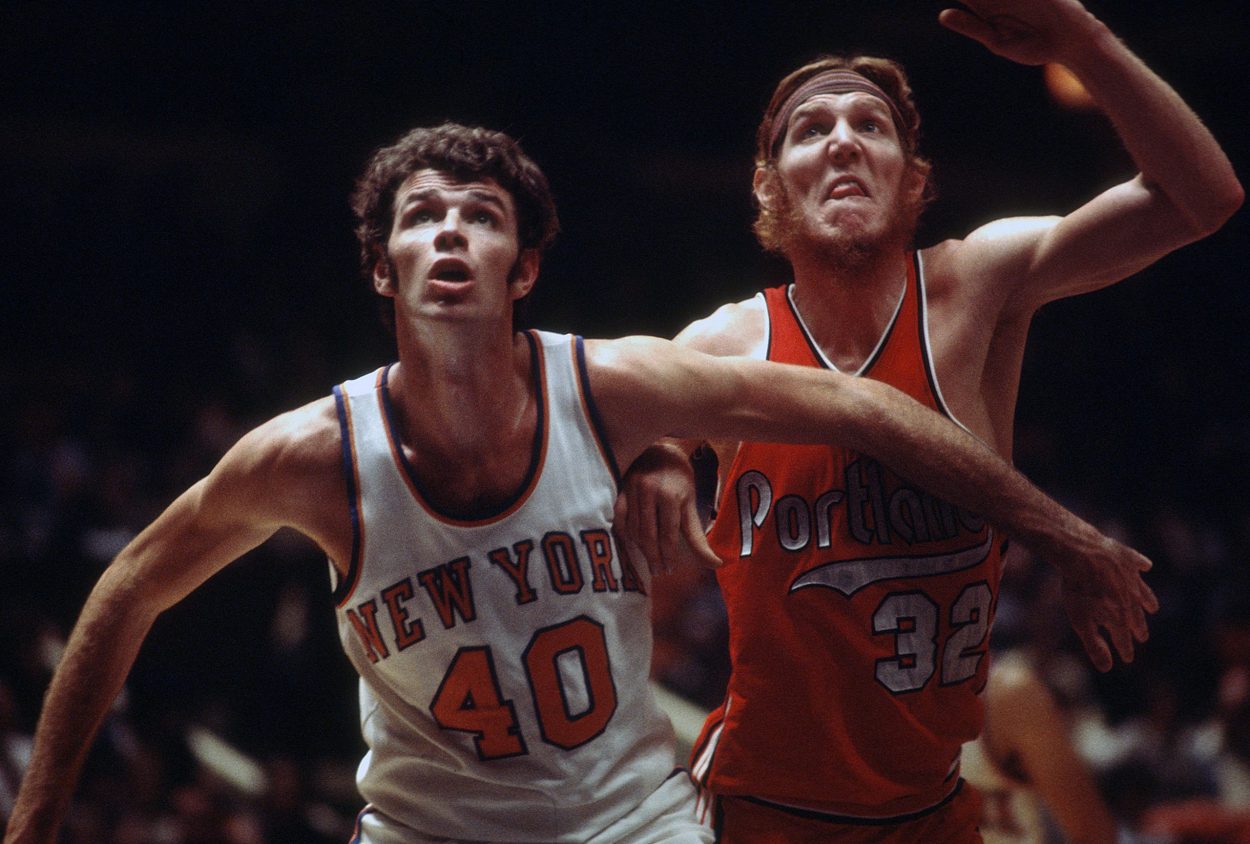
(666, 816)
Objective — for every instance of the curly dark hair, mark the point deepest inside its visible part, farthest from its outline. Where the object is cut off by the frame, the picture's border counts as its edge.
(469, 153)
(890, 77)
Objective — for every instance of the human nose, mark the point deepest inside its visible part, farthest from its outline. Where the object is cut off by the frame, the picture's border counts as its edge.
(842, 144)
(450, 234)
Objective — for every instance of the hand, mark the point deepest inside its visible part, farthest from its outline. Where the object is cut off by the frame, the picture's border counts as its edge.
(1106, 599)
(1031, 32)
(656, 512)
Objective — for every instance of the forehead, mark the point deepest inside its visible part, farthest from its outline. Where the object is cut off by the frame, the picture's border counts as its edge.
(440, 184)
(837, 103)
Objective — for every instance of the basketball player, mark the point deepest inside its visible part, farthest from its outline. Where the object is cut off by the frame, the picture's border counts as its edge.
(464, 496)
(1025, 766)
(858, 615)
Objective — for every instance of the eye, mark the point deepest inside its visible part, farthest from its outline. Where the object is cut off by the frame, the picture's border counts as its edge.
(418, 217)
(484, 218)
(813, 129)
(870, 126)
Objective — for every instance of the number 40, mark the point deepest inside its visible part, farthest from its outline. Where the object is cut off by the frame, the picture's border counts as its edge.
(470, 699)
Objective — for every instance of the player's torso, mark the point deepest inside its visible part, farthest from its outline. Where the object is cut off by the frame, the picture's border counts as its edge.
(859, 609)
(503, 661)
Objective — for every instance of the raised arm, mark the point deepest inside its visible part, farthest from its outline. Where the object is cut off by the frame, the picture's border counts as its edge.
(647, 388)
(1186, 187)
(237, 507)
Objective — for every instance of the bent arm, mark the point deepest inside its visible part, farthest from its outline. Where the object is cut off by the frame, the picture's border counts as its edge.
(209, 525)
(1185, 189)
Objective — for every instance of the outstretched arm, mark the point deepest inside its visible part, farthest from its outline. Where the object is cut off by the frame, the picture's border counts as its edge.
(648, 388)
(233, 510)
(1186, 187)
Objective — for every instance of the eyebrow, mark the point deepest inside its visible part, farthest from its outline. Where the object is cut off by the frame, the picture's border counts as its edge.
(869, 101)
(478, 194)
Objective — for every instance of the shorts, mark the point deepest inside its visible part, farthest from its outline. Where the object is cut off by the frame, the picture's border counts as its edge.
(742, 820)
(665, 816)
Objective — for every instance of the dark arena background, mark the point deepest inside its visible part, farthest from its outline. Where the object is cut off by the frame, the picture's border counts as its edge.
(179, 265)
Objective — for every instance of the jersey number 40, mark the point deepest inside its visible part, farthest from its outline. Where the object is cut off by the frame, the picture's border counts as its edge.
(471, 700)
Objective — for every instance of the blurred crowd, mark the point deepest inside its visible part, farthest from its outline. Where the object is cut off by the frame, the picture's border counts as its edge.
(238, 724)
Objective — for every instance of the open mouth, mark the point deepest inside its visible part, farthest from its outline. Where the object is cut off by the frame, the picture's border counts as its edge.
(847, 186)
(450, 271)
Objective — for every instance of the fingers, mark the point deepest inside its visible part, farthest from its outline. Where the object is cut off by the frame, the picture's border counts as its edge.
(669, 540)
(1138, 626)
(966, 24)
(1095, 648)
(643, 528)
(1122, 639)
(696, 539)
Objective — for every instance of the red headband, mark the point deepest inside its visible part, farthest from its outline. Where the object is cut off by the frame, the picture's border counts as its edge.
(829, 82)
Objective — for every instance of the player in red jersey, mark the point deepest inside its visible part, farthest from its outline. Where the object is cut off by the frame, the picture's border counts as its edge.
(859, 605)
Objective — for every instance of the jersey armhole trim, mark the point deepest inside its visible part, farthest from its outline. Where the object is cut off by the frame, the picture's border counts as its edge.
(347, 584)
(591, 410)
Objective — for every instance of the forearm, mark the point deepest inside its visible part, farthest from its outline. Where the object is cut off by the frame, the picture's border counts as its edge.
(939, 456)
(100, 653)
(1175, 152)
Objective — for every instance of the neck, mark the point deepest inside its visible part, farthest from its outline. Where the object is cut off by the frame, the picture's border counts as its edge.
(847, 305)
(460, 388)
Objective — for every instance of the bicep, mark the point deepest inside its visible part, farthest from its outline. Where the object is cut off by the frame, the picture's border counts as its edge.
(235, 508)
(1029, 261)
(195, 537)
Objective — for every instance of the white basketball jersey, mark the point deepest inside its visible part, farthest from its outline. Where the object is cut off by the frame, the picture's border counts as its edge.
(503, 661)
(1010, 811)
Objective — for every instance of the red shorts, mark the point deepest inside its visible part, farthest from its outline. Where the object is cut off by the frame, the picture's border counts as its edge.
(741, 820)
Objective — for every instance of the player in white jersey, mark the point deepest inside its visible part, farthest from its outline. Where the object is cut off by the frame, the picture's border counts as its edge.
(464, 498)
(524, 654)
(1026, 768)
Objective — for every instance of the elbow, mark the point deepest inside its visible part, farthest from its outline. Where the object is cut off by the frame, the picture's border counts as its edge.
(1220, 206)
(1234, 198)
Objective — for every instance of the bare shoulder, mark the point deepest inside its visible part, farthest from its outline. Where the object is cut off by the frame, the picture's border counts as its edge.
(622, 364)
(995, 255)
(738, 329)
(283, 465)
(303, 437)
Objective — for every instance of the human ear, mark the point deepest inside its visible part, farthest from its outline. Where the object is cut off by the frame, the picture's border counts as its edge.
(524, 274)
(383, 274)
(764, 186)
(914, 182)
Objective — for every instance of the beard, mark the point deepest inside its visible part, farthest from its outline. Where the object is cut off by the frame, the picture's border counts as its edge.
(848, 246)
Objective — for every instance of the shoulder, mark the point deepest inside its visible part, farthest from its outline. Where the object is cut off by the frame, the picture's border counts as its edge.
(306, 435)
(626, 361)
(993, 255)
(282, 463)
(738, 329)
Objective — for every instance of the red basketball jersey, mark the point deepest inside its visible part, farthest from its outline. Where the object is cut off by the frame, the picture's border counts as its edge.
(859, 609)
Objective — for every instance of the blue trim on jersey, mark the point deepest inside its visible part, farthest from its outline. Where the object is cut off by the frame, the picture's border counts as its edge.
(536, 447)
(345, 584)
(595, 419)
